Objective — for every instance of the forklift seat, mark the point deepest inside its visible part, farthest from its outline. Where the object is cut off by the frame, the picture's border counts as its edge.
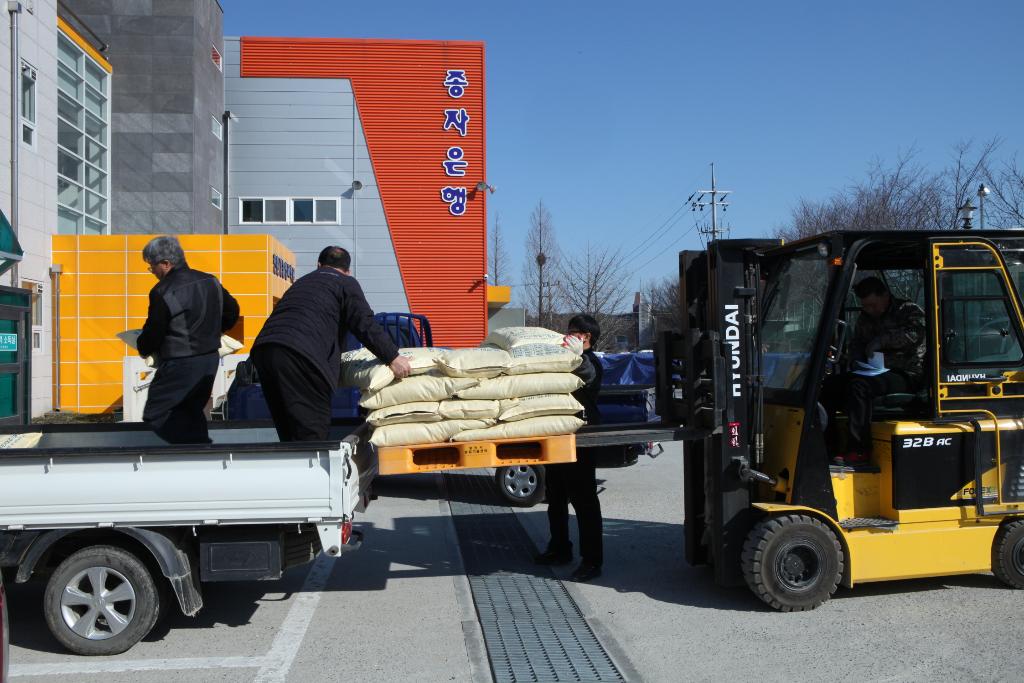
(900, 403)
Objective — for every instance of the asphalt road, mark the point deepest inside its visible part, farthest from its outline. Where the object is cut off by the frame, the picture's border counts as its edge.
(400, 609)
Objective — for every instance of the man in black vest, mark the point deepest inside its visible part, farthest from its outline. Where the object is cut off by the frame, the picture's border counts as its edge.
(576, 482)
(188, 312)
(297, 354)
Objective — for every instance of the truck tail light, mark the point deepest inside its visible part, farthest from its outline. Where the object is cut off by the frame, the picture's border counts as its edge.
(346, 532)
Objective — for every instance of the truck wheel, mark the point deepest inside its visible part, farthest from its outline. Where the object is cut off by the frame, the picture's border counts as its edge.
(793, 563)
(101, 601)
(1008, 554)
(520, 485)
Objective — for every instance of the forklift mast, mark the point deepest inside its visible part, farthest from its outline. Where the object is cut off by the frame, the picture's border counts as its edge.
(721, 396)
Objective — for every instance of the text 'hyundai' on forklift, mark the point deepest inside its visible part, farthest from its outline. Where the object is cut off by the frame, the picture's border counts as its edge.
(766, 325)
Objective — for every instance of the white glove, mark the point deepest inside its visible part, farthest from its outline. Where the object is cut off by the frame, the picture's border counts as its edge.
(574, 344)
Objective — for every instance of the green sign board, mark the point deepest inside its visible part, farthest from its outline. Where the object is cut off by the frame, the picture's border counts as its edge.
(8, 342)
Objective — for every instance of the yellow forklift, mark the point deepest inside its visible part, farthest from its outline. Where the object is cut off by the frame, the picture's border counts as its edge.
(767, 324)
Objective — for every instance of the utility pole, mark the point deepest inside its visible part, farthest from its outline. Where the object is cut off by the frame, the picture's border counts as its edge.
(714, 202)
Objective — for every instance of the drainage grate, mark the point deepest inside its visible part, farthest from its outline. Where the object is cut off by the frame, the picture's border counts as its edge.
(531, 626)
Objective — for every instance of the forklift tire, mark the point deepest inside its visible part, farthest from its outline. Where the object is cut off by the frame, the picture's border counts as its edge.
(101, 600)
(794, 563)
(1008, 554)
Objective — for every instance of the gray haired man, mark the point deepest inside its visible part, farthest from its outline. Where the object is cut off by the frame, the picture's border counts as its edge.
(189, 310)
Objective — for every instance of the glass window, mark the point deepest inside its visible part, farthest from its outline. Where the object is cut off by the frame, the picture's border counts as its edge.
(69, 194)
(277, 210)
(326, 211)
(95, 154)
(69, 82)
(70, 110)
(252, 210)
(96, 180)
(28, 93)
(95, 205)
(28, 105)
(215, 57)
(216, 198)
(95, 103)
(977, 321)
(69, 54)
(96, 77)
(69, 166)
(68, 221)
(216, 127)
(302, 210)
(95, 128)
(794, 301)
(69, 137)
(83, 134)
(36, 301)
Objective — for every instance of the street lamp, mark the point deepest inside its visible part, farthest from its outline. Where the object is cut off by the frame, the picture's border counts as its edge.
(541, 260)
(983, 192)
(966, 211)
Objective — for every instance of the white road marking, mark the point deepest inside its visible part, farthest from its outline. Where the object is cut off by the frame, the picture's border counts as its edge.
(278, 662)
(124, 665)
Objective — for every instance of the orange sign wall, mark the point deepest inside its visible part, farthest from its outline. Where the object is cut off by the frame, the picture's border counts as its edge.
(401, 95)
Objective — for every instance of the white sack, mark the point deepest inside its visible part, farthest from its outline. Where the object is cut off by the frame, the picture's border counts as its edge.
(514, 409)
(457, 409)
(419, 411)
(421, 388)
(510, 337)
(537, 426)
(423, 433)
(518, 386)
(478, 362)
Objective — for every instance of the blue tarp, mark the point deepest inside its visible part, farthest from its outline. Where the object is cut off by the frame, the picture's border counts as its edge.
(628, 368)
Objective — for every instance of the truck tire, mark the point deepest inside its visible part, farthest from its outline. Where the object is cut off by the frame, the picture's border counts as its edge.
(794, 562)
(101, 601)
(520, 485)
(1008, 554)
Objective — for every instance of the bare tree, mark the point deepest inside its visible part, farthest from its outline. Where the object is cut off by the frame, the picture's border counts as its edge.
(1005, 206)
(540, 264)
(497, 258)
(666, 308)
(903, 196)
(594, 282)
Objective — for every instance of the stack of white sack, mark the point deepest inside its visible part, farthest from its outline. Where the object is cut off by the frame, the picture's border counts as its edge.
(518, 384)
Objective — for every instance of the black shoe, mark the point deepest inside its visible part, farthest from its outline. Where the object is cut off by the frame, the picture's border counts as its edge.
(586, 572)
(552, 557)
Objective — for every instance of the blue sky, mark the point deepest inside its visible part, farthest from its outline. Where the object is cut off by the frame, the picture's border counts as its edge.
(611, 112)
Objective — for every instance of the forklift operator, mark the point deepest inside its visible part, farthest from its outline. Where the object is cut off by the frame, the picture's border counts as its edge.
(887, 328)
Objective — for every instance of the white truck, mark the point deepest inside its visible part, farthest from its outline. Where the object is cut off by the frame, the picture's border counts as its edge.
(120, 524)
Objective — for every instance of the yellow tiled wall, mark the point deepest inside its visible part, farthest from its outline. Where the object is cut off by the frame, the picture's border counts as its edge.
(104, 289)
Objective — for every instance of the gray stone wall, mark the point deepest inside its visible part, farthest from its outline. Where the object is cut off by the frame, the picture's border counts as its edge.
(164, 85)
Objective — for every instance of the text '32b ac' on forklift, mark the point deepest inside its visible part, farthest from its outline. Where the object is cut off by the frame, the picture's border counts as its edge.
(768, 327)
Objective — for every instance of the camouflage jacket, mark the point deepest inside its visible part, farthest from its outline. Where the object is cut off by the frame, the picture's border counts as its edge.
(900, 332)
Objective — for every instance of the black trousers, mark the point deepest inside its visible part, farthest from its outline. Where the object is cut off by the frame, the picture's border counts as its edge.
(575, 483)
(178, 396)
(855, 395)
(299, 397)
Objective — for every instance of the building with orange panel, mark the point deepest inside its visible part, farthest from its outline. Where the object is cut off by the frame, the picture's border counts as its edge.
(103, 289)
(378, 146)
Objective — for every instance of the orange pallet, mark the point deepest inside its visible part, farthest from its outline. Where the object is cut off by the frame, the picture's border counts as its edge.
(439, 457)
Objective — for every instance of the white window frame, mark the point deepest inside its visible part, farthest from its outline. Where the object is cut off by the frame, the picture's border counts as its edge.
(104, 145)
(29, 71)
(337, 210)
(216, 198)
(289, 210)
(217, 127)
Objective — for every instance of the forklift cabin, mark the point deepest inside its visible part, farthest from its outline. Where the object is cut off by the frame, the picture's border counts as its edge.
(768, 325)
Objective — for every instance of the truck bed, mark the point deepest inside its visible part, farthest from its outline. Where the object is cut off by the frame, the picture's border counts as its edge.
(101, 475)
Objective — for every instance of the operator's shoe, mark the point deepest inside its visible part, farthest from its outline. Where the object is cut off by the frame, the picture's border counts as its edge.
(851, 459)
(553, 557)
(586, 572)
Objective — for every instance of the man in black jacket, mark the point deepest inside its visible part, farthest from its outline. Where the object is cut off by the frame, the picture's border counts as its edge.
(576, 482)
(189, 310)
(297, 354)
